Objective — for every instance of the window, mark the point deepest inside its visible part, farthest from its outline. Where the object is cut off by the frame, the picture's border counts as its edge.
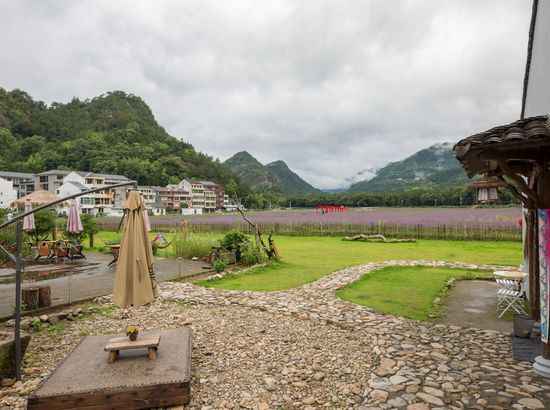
(44, 178)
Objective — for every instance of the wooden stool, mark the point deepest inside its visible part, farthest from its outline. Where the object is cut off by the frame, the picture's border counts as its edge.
(123, 343)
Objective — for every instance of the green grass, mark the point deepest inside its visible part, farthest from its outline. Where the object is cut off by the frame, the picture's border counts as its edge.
(208, 239)
(407, 291)
(306, 259)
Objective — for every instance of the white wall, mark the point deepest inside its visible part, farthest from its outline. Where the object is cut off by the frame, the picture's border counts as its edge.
(75, 177)
(537, 101)
(7, 193)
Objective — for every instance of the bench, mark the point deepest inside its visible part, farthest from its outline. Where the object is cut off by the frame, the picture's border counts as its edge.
(117, 344)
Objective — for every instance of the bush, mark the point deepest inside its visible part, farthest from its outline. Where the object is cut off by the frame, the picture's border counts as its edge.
(219, 265)
(188, 245)
(235, 241)
(251, 255)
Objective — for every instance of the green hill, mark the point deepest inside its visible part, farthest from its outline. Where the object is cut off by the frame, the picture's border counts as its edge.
(430, 167)
(254, 173)
(113, 133)
(292, 183)
(275, 177)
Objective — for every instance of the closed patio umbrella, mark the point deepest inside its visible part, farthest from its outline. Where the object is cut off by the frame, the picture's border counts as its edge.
(28, 221)
(74, 224)
(134, 278)
(146, 218)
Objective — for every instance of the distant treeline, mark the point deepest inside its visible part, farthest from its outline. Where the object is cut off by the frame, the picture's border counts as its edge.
(457, 196)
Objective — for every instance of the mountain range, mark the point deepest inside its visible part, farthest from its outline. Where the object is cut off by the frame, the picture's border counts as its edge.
(275, 177)
(117, 133)
(433, 166)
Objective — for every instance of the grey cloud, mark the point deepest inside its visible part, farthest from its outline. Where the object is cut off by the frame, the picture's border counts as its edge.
(331, 87)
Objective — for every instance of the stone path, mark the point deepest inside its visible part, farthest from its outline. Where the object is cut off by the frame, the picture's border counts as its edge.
(419, 364)
(305, 348)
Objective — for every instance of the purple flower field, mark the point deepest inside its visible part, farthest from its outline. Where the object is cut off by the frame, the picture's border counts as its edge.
(506, 218)
(431, 223)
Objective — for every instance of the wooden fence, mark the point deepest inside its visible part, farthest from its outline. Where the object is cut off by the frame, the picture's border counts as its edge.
(448, 232)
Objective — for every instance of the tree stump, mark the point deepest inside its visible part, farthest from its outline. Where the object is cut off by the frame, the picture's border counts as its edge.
(44, 296)
(30, 297)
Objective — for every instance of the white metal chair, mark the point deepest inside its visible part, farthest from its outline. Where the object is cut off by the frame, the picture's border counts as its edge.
(511, 296)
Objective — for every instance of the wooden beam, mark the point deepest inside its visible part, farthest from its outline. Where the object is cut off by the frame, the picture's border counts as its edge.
(532, 195)
(524, 200)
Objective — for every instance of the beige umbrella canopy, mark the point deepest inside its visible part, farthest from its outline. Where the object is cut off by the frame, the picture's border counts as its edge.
(37, 198)
(134, 280)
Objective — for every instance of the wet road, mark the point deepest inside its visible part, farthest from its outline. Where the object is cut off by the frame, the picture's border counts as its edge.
(82, 279)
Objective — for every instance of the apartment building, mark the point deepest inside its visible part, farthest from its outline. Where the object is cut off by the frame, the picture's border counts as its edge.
(50, 180)
(172, 197)
(7, 193)
(218, 191)
(94, 203)
(206, 195)
(23, 183)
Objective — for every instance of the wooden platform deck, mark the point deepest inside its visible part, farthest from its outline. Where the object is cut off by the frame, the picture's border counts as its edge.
(86, 381)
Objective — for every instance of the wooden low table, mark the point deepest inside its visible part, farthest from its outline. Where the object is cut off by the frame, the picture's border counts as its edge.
(115, 345)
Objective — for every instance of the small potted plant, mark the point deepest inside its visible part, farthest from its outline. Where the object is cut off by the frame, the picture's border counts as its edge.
(132, 333)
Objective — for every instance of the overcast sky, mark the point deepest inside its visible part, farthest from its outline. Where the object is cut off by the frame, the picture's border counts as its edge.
(330, 87)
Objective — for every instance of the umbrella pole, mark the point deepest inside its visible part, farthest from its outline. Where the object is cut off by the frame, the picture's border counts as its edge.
(18, 267)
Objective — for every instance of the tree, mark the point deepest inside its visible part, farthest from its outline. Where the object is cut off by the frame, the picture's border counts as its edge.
(44, 221)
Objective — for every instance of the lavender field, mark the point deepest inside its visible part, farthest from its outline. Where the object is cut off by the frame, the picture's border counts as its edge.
(436, 223)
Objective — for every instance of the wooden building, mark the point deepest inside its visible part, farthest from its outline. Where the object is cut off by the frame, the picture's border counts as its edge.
(518, 155)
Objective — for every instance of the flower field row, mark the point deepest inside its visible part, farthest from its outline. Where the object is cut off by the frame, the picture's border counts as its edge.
(432, 223)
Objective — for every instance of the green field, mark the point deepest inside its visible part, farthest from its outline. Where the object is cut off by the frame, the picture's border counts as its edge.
(306, 259)
(406, 291)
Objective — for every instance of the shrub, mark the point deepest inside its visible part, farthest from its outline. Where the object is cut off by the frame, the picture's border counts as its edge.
(235, 241)
(188, 245)
(251, 255)
(219, 265)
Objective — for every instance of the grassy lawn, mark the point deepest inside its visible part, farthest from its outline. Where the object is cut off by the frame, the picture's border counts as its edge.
(306, 259)
(403, 290)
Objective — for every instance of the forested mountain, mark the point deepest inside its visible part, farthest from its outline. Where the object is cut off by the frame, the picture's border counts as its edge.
(435, 166)
(292, 183)
(275, 177)
(113, 133)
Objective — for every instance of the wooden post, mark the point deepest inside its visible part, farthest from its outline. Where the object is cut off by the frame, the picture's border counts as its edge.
(531, 244)
(30, 297)
(44, 296)
(544, 197)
